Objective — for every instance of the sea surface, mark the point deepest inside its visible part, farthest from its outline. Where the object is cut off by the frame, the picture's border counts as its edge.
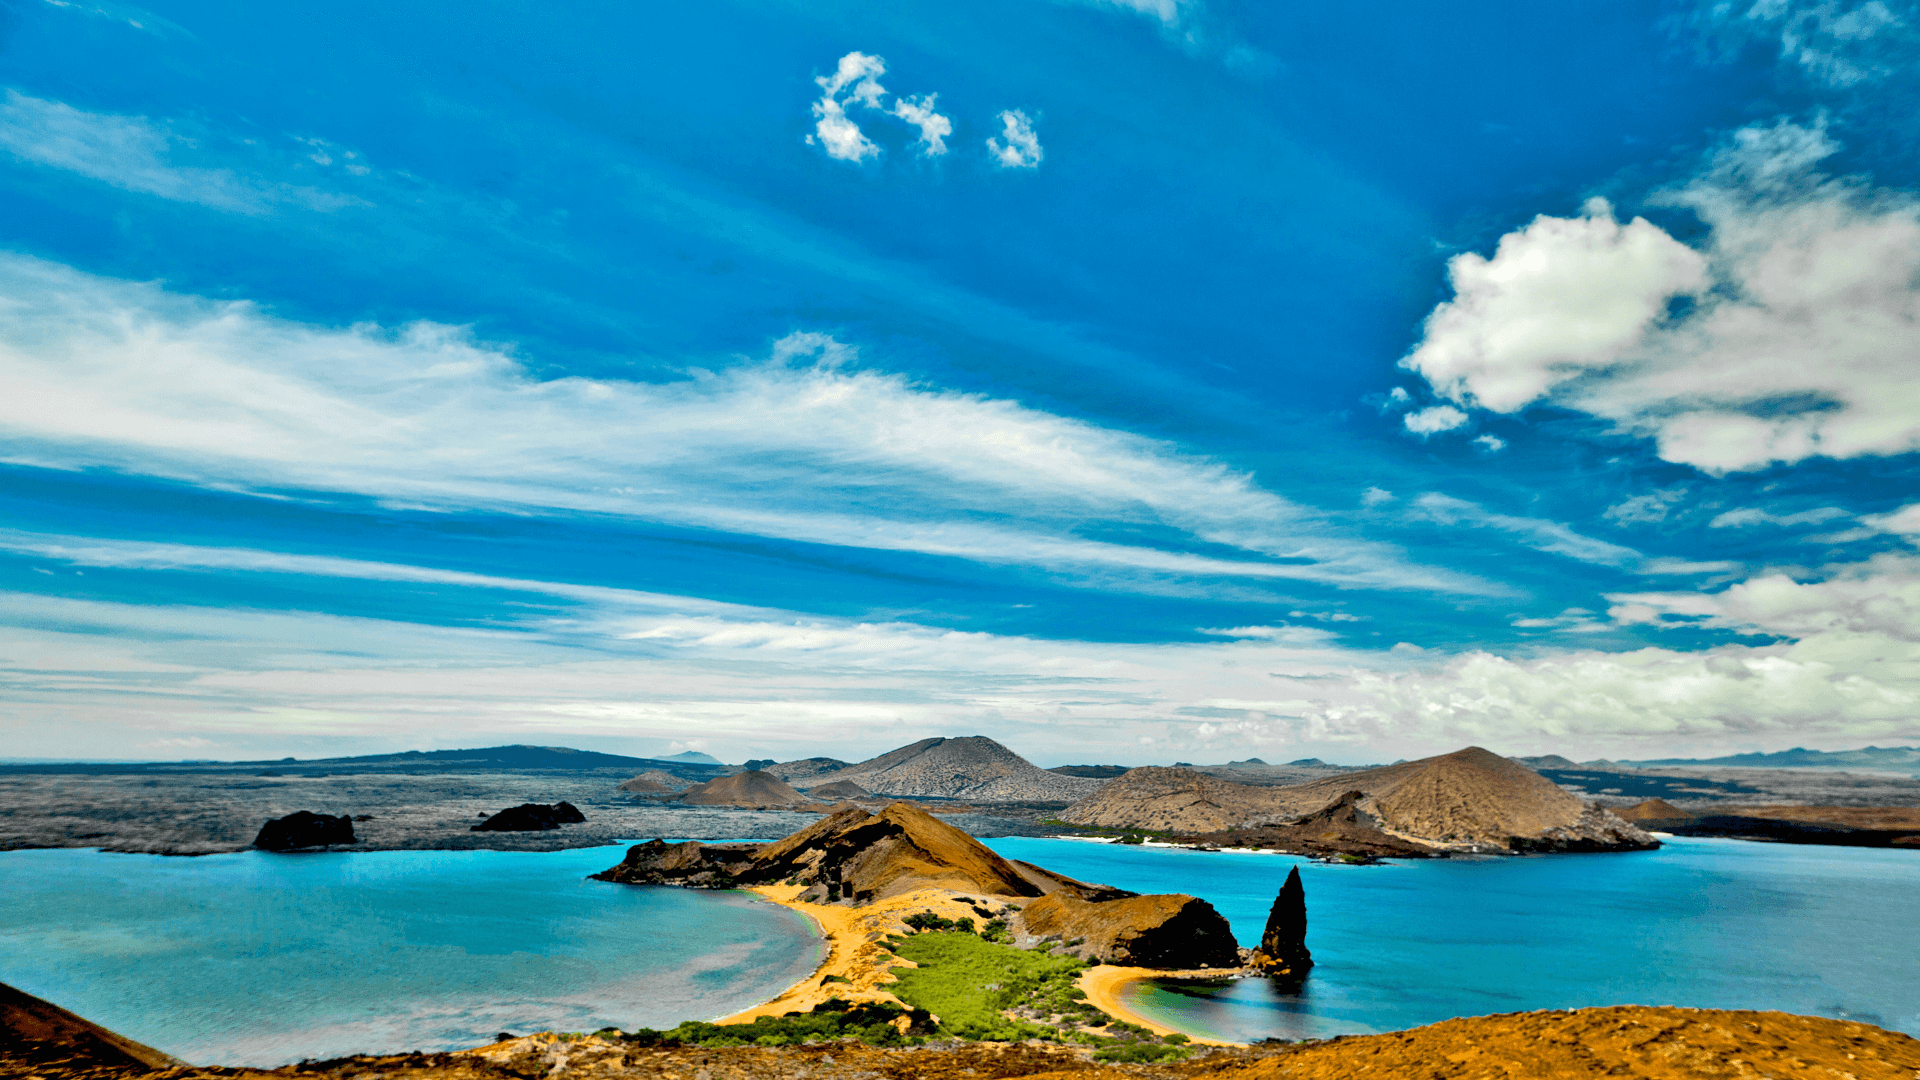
(262, 959)
(1707, 923)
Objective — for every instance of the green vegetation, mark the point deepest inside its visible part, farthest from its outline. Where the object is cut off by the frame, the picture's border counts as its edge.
(873, 1023)
(973, 984)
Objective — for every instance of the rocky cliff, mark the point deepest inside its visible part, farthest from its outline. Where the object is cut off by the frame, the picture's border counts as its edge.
(1160, 931)
(1469, 800)
(974, 768)
(40, 1038)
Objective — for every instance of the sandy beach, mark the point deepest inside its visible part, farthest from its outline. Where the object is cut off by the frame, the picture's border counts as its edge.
(1103, 986)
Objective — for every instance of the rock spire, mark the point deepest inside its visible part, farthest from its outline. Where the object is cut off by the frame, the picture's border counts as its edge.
(1283, 948)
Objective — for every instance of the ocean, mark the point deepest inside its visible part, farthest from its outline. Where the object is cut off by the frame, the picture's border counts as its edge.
(261, 959)
(1724, 924)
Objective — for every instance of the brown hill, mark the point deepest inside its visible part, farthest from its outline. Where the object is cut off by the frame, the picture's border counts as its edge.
(1467, 800)
(1339, 828)
(643, 785)
(839, 789)
(1652, 810)
(665, 780)
(1175, 800)
(40, 1037)
(974, 768)
(853, 857)
(743, 789)
(807, 769)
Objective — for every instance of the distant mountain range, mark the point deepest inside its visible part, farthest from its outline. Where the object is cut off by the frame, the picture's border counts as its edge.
(518, 758)
(1903, 759)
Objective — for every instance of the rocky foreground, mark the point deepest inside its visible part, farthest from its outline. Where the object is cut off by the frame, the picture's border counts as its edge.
(1619, 1042)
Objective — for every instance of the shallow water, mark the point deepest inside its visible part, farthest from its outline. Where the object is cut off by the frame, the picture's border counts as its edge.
(1704, 923)
(262, 959)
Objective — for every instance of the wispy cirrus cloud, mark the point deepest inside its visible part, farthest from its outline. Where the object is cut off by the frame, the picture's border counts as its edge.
(136, 154)
(803, 446)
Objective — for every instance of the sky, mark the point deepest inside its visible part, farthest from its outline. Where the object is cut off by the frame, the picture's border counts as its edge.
(1129, 381)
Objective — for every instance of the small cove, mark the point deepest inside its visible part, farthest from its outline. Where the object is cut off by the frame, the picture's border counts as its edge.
(263, 959)
(1703, 923)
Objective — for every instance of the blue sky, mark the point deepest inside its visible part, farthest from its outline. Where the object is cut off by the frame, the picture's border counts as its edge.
(1128, 380)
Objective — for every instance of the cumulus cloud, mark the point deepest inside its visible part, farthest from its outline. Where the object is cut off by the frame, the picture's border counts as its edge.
(1793, 331)
(1017, 147)
(1881, 596)
(1375, 496)
(804, 446)
(1434, 419)
(1904, 521)
(1492, 444)
(136, 154)
(934, 128)
(856, 80)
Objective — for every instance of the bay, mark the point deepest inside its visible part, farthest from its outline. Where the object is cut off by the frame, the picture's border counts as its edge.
(1705, 923)
(262, 959)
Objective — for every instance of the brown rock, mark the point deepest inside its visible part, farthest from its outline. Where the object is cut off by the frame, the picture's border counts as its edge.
(1653, 810)
(839, 789)
(1161, 931)
(1283, 947)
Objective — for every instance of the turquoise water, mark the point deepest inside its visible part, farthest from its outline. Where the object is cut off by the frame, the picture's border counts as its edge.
(1704, 923)
(258, 959)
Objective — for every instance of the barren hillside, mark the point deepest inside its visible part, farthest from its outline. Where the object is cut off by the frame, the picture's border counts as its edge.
(974, 768)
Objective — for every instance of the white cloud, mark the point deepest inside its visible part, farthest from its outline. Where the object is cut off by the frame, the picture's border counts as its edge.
(1434, 419)
(135, 154)
(1492, 444)
(1880, 596)
(1548, 536)
(1644, 509)
(1375, 496)
(1802, 337)
(1748, 516)
(1833, 41)
(1021, 147)
(1904, 521)
(856, 77)
(615, 663)
(934, 128)
(122, 375)
(1572, 620)
(1168, 12)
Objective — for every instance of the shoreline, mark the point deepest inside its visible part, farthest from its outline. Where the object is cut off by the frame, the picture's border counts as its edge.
(1103, 986)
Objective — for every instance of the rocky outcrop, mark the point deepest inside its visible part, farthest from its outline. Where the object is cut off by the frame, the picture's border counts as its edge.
(974, 768)
(532, 817)
(839, 789)
(746, 789)
(1283, 946)
(806, 772)
(1469, 800)
(690, 864)
(1160, 931)
(304, 829)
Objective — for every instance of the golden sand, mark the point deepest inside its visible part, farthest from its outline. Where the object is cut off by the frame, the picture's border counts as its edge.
(858, 966)
(1103, 985)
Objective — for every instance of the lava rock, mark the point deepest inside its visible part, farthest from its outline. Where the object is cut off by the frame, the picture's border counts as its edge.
(531, 817)
(304, 829)
(1283, 947)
